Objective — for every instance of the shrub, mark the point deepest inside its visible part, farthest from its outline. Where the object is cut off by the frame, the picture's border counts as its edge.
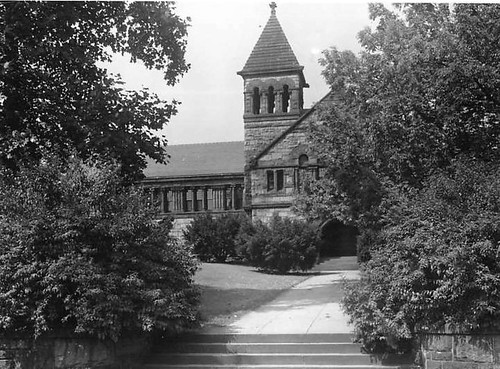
(285, 245)
(213, 237)
(79, 251)
(439, 263)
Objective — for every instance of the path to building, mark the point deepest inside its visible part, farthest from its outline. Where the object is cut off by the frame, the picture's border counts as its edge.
(312, 306)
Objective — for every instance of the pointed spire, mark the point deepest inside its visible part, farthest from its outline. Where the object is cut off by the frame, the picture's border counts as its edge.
(272, 52)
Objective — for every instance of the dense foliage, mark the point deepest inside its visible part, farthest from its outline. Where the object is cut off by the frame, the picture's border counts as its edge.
(55, 96)
(282, 246)
(78, 251)
(411, 145)
(212, 237)
(438, 263)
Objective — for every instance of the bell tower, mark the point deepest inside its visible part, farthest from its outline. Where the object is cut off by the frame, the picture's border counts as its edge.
(273, 83)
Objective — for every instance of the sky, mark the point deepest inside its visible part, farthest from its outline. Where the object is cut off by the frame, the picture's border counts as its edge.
(220, 39)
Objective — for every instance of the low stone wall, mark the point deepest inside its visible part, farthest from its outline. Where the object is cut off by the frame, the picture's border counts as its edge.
(460, 351)
(71, 353)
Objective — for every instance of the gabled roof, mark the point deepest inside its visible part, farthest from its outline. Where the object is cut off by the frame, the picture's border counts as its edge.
(200, 159)
(272, 52)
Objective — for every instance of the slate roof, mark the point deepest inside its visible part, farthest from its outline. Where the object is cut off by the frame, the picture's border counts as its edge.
(272, 52)
(200, 159)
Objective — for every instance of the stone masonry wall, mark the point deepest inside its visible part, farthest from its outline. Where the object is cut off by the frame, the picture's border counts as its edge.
(461, 351)
(289, 148)
(71, 353)
(262, 196)
(283, 156)
(259, 134)
(265, 215)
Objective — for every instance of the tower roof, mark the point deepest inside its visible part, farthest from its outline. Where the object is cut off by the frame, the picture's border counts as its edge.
(272, 52)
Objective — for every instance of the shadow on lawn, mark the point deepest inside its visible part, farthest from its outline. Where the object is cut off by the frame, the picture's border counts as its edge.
(222, 306)
(224, 303)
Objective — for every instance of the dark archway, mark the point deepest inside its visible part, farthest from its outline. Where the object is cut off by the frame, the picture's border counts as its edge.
(337, 239)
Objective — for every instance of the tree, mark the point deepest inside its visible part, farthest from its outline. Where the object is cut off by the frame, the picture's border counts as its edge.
(425, 89)
(81, 252)
(411, 145)
(57, 99)
(438, 262)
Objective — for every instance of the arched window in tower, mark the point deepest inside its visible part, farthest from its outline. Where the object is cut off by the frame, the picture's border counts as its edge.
(270, 100)
(303, 160)
(286, 99)
(256, 101)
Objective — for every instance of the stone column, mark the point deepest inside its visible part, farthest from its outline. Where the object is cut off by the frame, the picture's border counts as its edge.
(263, 103)
(294, 100)
(248, 102)
(278, 99)
(233, 197)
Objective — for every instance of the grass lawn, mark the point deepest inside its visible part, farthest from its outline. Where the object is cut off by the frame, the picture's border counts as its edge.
(228, 290)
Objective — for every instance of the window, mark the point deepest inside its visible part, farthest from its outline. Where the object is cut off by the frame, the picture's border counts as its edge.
(256, 101)
(316, 173)
(229, 199)
(218, 198)
(189, 201)
(270, 100)
(270, 180)
(166, 201)
(280, 180)
(210, 199)
(303, 160)
(275, 180)
(199, 200)
(238, 198)
(285, 99)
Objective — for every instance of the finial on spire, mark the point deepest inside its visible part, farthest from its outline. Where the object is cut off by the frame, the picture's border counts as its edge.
(273, 7)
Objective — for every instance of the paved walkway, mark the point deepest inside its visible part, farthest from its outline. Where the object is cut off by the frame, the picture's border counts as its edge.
(312, 306)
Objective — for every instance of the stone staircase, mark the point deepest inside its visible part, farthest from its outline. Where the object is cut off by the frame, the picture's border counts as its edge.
(264, 351)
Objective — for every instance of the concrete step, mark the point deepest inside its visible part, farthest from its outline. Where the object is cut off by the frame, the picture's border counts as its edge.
(255, 351)
(331, 366)
(263, 338)
(270, 348)
(262, 359)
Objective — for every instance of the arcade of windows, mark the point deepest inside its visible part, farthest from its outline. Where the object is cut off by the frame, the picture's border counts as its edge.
(276, 101)
(197, 199)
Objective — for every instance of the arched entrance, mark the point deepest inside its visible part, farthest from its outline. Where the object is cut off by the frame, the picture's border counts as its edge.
(337, 239)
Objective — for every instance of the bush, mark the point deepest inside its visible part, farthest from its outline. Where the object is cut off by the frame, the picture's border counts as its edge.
(285, 245)
(79, 251)
(213, 237)
(439, 263)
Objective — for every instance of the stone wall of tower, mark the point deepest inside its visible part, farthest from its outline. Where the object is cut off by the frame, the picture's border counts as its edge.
(263, 126)
(260, 133)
